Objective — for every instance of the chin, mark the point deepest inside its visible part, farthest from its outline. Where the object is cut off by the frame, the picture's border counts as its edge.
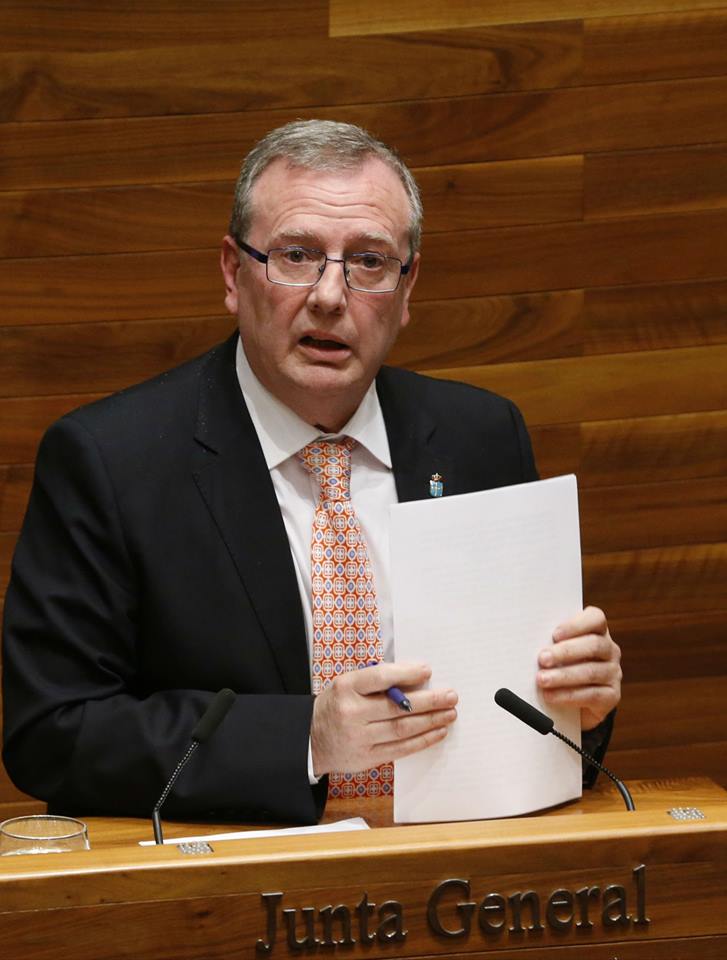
(327, 379)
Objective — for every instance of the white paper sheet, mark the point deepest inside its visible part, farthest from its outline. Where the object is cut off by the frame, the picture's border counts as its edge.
(354, 823)
(479, 582)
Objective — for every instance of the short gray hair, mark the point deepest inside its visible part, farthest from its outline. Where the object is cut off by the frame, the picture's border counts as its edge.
(324, 145)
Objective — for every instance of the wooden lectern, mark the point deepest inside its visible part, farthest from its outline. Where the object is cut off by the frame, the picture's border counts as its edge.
(588, 881)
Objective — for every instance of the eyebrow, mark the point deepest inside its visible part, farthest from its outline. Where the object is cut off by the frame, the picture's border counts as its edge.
(359, 244)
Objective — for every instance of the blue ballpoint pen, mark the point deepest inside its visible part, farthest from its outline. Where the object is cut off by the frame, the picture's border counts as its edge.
(396, 695)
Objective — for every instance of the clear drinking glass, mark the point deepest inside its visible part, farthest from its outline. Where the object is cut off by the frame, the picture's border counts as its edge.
(42, 833)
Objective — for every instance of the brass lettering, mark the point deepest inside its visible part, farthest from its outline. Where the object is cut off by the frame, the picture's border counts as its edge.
(557, 901)
(491, 915)
(465, 910)
(328, 915)
(270, 902)
(516, 901)
(583, 896)
(615, 909)
(365, 910)
(641, 919)
(450, 914)
(391, 923)
(309, 939)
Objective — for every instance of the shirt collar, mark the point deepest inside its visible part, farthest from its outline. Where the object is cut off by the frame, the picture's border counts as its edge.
(282, 433)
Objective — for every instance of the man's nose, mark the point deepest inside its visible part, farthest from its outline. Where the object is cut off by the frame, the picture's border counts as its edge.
(329, 294)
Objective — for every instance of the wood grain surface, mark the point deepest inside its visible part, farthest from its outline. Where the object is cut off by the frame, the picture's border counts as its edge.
(428, 132)
(687, 43)
(655, 181)
(118, 897)
(380, 16)
(183, 75)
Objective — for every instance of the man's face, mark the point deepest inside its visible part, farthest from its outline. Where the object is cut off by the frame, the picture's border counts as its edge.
(318, 348)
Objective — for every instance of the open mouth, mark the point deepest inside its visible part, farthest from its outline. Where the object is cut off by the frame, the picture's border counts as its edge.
(329, 345)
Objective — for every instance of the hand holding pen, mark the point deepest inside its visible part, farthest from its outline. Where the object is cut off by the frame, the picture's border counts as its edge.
(354, 728)
(396, 695)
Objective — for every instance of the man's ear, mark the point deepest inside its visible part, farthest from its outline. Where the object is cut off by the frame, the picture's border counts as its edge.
(410, 279)
(230, 264)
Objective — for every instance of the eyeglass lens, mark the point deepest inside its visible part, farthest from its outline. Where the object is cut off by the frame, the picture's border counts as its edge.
(299, 266)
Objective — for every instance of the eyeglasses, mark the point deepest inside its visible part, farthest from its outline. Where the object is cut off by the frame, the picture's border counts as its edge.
(301, 267)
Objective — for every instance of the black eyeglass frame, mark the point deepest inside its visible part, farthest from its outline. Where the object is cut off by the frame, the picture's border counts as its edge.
(261, 257)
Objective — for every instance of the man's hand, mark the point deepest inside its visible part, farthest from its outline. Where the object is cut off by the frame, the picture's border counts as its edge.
(355, 726)
(583, 667)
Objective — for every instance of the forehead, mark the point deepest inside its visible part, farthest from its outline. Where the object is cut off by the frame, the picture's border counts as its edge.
(368, 200)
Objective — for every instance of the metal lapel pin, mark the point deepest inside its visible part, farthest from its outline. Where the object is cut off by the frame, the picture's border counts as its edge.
(436, 485)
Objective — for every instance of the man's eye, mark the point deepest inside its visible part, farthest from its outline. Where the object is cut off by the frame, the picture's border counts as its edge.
(369, 261)
(298, 255)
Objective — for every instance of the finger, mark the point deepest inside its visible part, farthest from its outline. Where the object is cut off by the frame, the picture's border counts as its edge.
(424, 701)
(398, 749)
(375, 707)
(378, 706)
(384, 675)
(587, 647)
(594, 702)
(590, 620)
(408, 725)
(584, 675)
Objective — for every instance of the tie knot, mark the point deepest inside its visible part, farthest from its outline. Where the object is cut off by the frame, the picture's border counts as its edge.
(330, 463)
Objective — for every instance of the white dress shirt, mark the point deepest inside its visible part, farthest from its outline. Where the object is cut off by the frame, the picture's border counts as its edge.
(282, 434)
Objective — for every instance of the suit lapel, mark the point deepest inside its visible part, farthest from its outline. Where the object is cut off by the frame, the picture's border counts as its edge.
(234, 480)
(417, 449)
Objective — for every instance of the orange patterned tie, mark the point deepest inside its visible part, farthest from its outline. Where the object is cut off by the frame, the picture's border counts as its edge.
(346, 630)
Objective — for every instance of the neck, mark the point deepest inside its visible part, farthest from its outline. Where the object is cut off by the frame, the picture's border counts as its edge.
(329, 416)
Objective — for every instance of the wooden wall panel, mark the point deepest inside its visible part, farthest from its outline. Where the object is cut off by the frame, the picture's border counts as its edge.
(561, 256)
(633, 450)
(689, 43)
(24, 419)
(656, 645)
(658, 580)
(39, 223)
(379, 16)
(573, 161)
(52, 223)
(655, 317)
(501, 126)
(7, 544)
(707, 759)
(561, 391)
(643, 727)
(655, 181)
(468, 264)
(474, 330)
(47, 26)
(653, 514)
(15, 480)
(471, 196)
(181, 283)
(100, 357)
(183, 76)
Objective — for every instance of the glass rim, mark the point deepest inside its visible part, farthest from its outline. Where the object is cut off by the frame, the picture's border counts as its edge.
(351, 286)
(322, 255)
(80, 827)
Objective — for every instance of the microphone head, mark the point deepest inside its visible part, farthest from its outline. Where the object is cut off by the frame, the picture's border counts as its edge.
(213, 715)
(523, 711)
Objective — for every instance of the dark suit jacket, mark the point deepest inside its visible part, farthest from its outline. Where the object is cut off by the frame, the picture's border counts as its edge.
(153, 569)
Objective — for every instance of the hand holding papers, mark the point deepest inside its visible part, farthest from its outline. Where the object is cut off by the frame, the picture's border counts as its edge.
(479, 582)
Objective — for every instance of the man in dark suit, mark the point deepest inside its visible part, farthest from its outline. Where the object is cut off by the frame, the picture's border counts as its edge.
(165, 552)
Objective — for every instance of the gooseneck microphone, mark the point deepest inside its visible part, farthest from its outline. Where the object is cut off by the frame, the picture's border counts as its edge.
(206, 726)
(539, 721)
